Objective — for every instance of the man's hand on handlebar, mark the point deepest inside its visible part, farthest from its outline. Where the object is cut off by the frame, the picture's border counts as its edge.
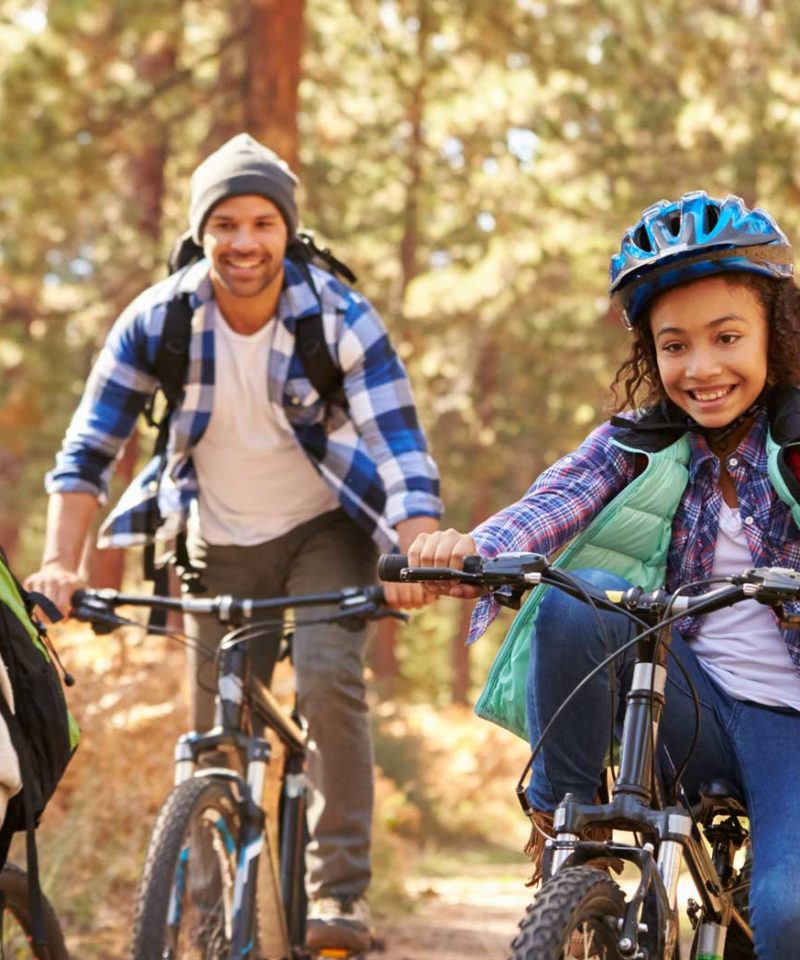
(410, 596)
(444, 548)
(57, 583)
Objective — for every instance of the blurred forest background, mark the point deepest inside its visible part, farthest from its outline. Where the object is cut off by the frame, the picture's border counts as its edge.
(474, 161)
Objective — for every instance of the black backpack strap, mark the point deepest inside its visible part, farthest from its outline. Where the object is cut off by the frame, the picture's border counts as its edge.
(184, 251)
(312, 348)
(172, 358)
(170, 367)
(303, 249)
(35, 905)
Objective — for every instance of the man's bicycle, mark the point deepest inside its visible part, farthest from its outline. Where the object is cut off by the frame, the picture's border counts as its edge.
(579, 911)
(222, 880)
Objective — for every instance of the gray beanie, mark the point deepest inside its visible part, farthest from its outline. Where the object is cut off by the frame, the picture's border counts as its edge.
(241, 166)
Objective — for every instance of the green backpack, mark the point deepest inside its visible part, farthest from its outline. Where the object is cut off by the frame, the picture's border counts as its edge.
(43, 731)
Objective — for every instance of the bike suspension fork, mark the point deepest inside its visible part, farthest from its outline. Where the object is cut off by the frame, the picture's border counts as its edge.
(293, 844)
(251, 842)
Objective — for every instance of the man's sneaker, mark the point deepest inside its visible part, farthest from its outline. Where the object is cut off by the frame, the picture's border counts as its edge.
(339, 923)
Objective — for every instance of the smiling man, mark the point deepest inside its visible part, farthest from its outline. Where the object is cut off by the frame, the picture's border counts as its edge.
(279, 489)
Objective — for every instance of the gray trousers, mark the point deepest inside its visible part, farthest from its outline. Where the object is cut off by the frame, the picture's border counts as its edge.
(327, 553)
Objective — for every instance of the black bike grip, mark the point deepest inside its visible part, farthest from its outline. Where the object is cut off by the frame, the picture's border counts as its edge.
(77, 599)
(390, 565)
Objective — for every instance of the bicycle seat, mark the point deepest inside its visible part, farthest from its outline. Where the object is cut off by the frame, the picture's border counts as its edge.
(718, 797)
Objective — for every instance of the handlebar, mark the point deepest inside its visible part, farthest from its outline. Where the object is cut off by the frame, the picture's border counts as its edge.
(508, 575)
(97, 606)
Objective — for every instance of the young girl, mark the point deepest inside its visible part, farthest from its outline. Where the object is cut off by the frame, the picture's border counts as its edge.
(706, 288)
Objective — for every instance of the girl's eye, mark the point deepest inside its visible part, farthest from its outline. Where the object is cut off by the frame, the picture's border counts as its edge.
(729, 337)
(673, 347)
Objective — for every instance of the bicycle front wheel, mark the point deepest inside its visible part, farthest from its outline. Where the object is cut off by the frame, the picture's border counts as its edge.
(17, 930)
(574, 915)
(184, 905)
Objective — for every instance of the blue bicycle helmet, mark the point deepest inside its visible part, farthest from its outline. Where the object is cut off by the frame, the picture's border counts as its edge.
(694, 237)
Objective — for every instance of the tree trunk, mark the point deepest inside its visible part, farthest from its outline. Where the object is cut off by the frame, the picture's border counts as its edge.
(272, 79)
(384, 657)
(154, 63)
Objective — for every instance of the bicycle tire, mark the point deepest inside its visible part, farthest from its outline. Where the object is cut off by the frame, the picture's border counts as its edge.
(17, 933)
(576, 900)
(199, 820)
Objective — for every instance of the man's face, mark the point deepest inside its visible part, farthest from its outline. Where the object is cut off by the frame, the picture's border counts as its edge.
(245, 240)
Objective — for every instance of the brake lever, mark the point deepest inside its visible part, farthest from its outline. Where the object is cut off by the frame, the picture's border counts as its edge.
(385, 612)
(101, 620)
(508, 596)
(356, 617)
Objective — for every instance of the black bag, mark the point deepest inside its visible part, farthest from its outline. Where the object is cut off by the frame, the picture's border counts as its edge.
(42, 730)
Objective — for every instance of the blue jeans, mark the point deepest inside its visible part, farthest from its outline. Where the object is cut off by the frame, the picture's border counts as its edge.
(754, 748)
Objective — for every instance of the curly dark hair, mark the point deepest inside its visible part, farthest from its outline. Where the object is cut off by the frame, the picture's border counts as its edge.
(637, 383)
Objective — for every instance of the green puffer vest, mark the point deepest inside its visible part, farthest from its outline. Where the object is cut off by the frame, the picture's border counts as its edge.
(630, 537)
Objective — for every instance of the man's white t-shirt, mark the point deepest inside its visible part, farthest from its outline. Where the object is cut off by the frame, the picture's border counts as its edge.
(741, 646)
(255, 482)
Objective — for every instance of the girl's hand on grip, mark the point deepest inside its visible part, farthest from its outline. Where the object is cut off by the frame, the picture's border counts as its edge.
(444, 548)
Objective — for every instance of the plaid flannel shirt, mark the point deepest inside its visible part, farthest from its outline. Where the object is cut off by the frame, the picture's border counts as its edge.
(374, 455)
(570, 494)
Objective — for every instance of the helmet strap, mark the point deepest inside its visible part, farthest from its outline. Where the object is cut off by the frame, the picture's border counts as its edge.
(716, 436)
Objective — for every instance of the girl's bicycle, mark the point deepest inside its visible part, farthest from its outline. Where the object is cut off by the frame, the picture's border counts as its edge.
(223, 879)
(580, 911)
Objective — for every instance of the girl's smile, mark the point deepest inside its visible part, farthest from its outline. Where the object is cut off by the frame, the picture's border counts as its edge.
(711, 348)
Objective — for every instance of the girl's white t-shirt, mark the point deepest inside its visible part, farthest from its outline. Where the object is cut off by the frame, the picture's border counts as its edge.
(741, 646)
(255, 482)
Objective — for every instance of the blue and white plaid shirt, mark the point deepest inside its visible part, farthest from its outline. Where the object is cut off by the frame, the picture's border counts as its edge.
(570, 494)
(374, 456)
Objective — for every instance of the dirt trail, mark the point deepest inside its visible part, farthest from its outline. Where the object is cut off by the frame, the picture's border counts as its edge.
(469, 918)
(475, 917)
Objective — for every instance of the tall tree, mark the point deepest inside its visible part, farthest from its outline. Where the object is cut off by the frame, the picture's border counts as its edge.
(272, 78)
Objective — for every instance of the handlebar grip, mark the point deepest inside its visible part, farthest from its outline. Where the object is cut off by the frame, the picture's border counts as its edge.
(390, 565)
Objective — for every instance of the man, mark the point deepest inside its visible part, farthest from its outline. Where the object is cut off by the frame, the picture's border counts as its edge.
(280, 491)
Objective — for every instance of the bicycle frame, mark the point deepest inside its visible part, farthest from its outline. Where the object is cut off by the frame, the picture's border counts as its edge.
(633, 805)
(285, 899)
(245, 708)
(631, 808)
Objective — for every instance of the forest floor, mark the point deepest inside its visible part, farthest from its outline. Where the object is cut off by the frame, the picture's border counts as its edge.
(471, 915)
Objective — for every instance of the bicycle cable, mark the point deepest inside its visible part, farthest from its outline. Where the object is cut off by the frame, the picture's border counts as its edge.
(667, 621)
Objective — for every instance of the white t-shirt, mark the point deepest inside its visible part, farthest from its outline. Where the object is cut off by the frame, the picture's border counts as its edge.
(741, 646)
(255, 481)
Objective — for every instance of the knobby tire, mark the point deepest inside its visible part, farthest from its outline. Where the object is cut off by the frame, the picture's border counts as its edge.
(168, 887)
(576, 899)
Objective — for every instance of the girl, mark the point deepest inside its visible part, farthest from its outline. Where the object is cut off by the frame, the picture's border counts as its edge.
(712, 438)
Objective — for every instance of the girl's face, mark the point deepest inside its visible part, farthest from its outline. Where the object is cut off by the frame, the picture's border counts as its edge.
(711, 347)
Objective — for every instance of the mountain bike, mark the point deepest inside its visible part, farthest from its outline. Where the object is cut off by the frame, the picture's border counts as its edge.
(16, 924)
(580, 911)
(224, 879)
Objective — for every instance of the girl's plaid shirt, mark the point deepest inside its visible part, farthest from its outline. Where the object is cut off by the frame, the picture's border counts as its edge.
(571, 493)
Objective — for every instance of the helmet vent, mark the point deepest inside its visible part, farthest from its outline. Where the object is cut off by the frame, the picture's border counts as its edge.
(710, 217)
(673, 223)
(642, 240)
